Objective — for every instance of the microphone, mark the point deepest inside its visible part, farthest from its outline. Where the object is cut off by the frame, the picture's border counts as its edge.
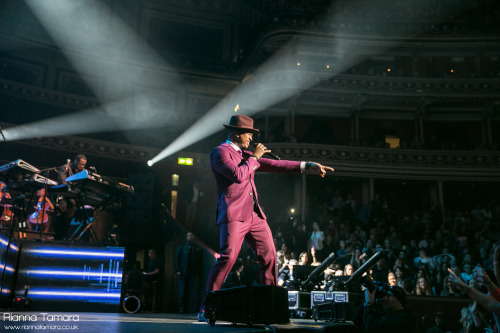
(272, 155)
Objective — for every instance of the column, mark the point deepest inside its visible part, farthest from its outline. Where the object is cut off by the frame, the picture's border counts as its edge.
(367, 191)
(372, 189)
(303, 197)
(421, 129)
(441, 196)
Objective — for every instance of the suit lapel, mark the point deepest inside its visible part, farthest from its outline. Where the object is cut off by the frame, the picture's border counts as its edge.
(236, 156)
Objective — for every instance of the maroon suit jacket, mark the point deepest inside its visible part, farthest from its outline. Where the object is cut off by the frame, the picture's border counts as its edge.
(234, 175)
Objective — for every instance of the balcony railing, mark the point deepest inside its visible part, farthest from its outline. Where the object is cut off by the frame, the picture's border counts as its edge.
(347, 160)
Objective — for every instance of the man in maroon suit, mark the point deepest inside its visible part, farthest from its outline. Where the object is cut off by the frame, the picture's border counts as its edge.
(239, 215)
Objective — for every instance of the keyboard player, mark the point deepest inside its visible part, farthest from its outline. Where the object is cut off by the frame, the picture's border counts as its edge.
(67, 206)
(72, 168)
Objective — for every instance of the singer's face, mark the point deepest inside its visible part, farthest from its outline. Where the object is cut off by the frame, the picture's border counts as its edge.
(243, 140)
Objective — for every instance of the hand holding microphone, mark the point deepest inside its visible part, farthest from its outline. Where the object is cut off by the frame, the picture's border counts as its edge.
(260, 149)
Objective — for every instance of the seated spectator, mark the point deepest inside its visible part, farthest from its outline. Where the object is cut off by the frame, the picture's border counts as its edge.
(467, 260)
(286, 273)
(397, 263)
(423, 243)
(412, 249)
(439, 324)
(395, 241)
(445, 257)
(423, 273)
(441, 273)
(448, 290)
(284, 249)
(466, 275)
(356, 258)
(423, 287)
(348, 270)
(423, 259)
(402, 278)
(233, 279)
(406, 263)
(392, 280)
(303, 259)
(342, 249)
(369, 248)
(282, 260)
(380, 271)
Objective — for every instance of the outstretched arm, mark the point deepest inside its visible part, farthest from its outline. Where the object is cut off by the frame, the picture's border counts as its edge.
(319, 169)
(486, 301)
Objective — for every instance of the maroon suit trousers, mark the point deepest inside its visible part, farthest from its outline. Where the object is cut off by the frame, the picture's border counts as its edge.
(258, 235)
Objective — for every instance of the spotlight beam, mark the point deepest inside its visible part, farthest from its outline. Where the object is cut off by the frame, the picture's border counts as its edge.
(253, 95)
(129, 114)
(86, 31)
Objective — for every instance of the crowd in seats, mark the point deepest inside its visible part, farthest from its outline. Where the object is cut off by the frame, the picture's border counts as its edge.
(419, 248)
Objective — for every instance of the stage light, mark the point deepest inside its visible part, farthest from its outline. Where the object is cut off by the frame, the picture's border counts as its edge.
(150, 163)
(7, 268)
(63, 274)
(57, 252)
(60, 293)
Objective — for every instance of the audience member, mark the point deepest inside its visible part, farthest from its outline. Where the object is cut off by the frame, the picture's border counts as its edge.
(423, 287)
(316, 240)
(392, 280)
(234, 278)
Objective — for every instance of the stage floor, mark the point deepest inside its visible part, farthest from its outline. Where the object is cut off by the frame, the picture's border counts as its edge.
(146, 322)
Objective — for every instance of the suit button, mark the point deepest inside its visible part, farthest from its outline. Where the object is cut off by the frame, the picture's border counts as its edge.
(251, 193)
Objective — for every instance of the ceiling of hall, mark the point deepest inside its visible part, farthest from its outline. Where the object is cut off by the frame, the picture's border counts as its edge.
(217, 45)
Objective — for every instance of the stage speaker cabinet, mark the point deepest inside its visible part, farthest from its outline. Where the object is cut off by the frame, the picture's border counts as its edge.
(299, 300)
(336, 306)
(249, 305)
